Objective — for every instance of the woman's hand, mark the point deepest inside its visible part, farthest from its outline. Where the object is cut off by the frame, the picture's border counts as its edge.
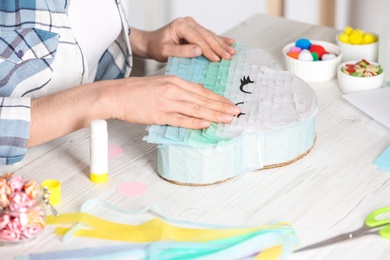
(183, 37)
(146, 100)
(168, 100)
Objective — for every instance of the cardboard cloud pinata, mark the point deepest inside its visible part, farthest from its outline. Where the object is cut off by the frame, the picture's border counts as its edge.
(276, 125)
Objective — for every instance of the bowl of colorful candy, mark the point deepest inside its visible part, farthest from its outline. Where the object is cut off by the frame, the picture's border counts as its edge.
(313, 61)
(354, 76)
(22, 215)
(356, 44)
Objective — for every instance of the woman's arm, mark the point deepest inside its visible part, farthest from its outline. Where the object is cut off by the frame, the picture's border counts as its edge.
(146, 100)
(62, 113)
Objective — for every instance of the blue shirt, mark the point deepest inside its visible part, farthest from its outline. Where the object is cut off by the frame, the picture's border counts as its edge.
(31, 32)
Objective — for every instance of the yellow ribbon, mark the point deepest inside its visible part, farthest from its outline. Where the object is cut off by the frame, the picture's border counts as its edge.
(150, 231)
(156, 230)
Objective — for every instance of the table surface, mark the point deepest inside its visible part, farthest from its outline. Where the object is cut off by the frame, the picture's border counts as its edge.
(328, 192)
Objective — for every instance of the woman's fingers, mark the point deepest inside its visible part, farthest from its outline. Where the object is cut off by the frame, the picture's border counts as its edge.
(203, 112)
(214, 41)
(196, 40)
(180, 120)
(170, 100)
(201, 98)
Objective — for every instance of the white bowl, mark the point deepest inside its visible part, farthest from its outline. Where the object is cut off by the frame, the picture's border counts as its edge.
(314, 71)
(350, 84)
(359, 51)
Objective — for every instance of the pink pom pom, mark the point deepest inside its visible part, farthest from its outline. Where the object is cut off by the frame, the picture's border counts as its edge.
(295, 49)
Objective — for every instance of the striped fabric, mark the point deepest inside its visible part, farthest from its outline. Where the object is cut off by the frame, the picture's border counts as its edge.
(31, 32)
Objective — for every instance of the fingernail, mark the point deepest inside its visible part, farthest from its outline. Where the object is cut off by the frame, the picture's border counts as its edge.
(204, 124)
(235, 109)
(196, 51)
(227, 117)
(227, 55)
(232, 50)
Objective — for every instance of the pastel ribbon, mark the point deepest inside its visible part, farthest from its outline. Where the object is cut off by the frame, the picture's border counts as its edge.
(158, 239)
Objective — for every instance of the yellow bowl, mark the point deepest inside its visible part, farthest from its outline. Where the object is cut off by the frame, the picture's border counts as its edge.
(367, 51)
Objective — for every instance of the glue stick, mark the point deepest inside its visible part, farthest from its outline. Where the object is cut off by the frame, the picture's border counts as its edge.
(99, 151)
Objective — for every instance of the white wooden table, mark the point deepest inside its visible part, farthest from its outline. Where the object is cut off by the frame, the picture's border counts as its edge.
(328, 192)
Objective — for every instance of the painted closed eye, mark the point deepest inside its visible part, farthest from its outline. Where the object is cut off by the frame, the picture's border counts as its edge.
(245, 81)
(240, 114)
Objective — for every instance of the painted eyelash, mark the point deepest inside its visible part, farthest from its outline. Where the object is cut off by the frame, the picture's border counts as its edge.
(240, 114)
(245, 81)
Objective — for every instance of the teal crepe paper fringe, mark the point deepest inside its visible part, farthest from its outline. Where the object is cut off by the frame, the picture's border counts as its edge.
(215, 76)
(383, 160)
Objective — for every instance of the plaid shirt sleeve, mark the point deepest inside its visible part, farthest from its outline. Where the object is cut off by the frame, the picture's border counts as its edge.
(29, 37)
(14, 129)
(26, 55)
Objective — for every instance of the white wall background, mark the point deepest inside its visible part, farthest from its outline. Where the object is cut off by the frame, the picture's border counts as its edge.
(216, 15)
(221, 15)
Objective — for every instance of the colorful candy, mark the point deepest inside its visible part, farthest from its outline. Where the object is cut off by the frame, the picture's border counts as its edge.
(15, 182)
(305, 50)
(30, 231)
(9, 236)
(20, 200)
(356, 36)
(4, 220)
(362, 69)
(4, 201)
(4, 187)
(32, 189)
(21, 216)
